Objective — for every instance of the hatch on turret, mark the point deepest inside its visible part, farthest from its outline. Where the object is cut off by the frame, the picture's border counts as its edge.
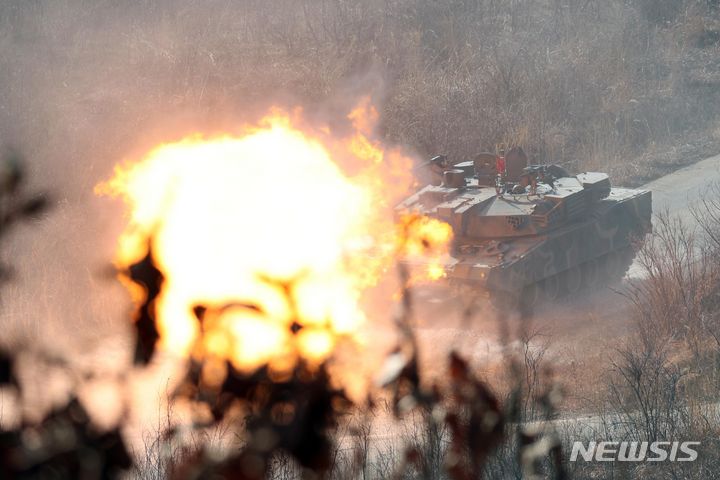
(596, 183)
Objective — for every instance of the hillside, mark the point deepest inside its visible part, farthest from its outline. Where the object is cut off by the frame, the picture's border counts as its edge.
(627, 86)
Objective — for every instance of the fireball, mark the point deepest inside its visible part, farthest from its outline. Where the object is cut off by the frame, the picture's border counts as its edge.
(271, 221)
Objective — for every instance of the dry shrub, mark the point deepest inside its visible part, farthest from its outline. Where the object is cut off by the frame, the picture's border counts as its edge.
(663, 383)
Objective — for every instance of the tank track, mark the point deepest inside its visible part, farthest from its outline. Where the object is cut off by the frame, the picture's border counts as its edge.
(596, 273)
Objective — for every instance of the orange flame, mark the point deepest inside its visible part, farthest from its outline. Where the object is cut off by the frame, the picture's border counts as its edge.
(223, 213)
(424, 241)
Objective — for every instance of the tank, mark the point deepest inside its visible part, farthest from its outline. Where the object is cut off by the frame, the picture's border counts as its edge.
(532, 233)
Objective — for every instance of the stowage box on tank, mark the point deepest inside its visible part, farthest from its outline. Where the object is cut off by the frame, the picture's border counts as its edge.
(537, 232)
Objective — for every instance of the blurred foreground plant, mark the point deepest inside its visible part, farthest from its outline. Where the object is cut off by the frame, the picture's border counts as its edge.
(64, 444)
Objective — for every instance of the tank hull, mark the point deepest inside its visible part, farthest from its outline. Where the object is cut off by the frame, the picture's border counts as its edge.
(615, 226)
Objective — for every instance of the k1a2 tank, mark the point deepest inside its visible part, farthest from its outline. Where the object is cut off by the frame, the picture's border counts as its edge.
(523, 233)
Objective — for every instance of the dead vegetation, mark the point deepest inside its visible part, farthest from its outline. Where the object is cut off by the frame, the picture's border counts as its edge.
(591, 85)
(663, 380)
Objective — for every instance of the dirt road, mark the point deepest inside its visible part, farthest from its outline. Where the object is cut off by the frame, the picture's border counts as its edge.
(677, 191)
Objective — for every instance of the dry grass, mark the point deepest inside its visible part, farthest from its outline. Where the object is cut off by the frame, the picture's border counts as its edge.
(582, 84)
